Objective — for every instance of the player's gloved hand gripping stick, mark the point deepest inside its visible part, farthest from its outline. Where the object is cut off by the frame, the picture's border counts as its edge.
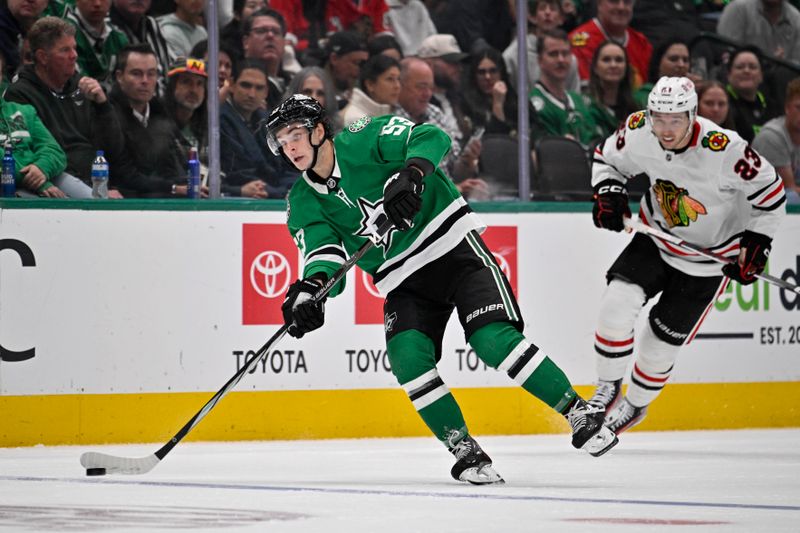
(637, 225)
(98, 464)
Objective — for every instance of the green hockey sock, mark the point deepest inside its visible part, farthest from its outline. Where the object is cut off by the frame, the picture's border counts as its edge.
(413, 359)
(501, 346)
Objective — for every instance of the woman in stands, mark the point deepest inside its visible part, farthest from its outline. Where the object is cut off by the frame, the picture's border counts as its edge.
(713, 104)
(489, 98)
(315, 82)
(750, 107)
(671, 58)
(378, 90)
(610, 95)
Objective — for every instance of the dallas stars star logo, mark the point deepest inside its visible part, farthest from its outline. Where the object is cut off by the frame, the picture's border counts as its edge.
(368, 224)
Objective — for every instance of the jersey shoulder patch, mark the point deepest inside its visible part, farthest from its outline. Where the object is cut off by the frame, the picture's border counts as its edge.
(359, 124)
(636, 120)
(716, 141)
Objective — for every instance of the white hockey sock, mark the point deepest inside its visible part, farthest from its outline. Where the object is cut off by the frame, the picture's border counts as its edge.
(653, 367)
(613, 340)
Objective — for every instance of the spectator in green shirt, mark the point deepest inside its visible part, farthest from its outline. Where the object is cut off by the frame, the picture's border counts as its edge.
(556, 110)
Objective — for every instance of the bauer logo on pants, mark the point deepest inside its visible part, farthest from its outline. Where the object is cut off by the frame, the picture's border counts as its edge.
(269, 265)
(501, 240)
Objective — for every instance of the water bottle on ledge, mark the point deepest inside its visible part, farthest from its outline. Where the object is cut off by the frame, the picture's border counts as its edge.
(9, 172)
(193, 171)
(100, 176)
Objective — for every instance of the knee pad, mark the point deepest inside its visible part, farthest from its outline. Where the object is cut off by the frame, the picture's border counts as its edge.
(655, 360)
(619, 308)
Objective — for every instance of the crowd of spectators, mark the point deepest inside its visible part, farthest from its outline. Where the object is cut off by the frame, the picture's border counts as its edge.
(129, 77)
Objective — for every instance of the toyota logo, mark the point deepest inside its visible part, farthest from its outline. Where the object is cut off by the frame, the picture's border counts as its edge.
(270, 274)
(366, 279)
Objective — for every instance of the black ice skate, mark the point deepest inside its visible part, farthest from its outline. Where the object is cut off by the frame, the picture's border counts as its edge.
(606, 395)
(624, 416)
(588, 431)
(473, 465)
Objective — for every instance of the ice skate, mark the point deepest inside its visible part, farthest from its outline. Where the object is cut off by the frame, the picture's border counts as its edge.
(624, 416)
(588, 431)
(606, 395)
(473, 465)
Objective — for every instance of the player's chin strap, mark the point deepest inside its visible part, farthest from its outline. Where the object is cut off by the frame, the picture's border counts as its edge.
(632, 224)
(316, 147)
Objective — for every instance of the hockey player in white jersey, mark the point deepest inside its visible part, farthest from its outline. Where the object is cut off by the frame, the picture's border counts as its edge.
(708, 187)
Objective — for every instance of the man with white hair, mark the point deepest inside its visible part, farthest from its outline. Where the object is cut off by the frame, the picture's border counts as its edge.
(708, 187)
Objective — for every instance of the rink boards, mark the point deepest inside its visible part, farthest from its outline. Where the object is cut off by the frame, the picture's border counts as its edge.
(117, 325)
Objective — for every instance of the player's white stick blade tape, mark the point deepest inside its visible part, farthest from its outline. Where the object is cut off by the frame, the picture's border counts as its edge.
(119, 465)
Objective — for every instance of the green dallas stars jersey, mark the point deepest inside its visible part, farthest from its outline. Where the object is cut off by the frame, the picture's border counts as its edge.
(328, 224)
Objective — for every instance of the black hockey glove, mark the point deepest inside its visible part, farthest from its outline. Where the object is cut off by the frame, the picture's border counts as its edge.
(299, 310)
(402, 197)
(753, 255)
(610, 205)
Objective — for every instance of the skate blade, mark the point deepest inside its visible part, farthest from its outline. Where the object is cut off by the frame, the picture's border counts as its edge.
(484, 475)
(601, 443)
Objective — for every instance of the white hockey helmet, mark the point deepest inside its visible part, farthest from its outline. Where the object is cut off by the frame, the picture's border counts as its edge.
(673, 95)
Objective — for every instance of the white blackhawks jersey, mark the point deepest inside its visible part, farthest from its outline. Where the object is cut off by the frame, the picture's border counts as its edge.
(707, 193)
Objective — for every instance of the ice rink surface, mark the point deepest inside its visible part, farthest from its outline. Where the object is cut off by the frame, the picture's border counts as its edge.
(727, 481)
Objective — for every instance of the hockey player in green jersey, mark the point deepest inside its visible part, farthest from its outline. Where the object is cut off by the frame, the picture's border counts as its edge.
(431, 262)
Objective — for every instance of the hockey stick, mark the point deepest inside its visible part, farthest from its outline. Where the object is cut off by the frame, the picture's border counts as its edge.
(98, 464)
(641, 227)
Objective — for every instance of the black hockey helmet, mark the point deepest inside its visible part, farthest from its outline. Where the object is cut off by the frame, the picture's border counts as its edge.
(298, 109)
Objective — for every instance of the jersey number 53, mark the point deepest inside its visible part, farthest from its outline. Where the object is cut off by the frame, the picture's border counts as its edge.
(396, 126)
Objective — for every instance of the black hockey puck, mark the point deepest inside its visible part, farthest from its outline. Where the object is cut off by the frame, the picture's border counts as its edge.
(95, 471)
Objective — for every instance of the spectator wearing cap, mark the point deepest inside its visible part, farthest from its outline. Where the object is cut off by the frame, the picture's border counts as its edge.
(184, 28)
(149, 131)
(611, 24)
(410, 23)
(264, 38)
(186, 104)
(130, 17)
(98, 40)
(16, 18)
(442, 53)
(251, 170)
(73, 107)
(771, 25)
(345, 53)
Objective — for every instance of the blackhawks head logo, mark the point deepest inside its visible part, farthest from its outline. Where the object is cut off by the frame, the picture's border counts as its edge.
(677, 206)
(579, 38)
(716, 141)
(636, 120)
